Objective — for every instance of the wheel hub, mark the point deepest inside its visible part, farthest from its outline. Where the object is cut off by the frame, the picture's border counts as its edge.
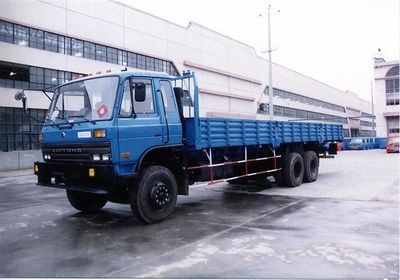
(159, 195)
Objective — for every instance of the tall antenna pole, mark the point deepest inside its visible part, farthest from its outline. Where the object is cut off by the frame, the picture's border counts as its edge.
(373, 111)
(270, 89)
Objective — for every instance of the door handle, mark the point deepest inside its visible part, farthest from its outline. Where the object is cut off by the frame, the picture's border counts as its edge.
(157, 135)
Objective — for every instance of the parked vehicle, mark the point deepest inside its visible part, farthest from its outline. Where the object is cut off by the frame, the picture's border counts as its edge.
(392, 145)
(364, 143)
(137, 138)
(356, 144)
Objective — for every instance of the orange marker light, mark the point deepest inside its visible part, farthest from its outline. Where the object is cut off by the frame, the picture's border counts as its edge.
(99, 133)
(125, 155)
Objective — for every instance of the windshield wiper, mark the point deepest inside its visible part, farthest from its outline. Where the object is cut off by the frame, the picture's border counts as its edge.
(82, 117)
(59, 118)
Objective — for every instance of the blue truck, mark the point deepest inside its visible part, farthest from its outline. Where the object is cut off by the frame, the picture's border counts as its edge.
(138, 138)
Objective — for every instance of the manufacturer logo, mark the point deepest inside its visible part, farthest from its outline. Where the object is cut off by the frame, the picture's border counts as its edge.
(66, 150)
(63, 134)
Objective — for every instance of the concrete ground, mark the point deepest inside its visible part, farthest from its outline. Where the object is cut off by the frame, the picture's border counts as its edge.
(345, 225)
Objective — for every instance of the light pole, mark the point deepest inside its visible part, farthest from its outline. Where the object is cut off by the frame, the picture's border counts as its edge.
(270, 88)
(373, 110)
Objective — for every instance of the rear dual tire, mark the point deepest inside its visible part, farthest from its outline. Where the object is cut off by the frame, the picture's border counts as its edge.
(293, 170)
(311, 166)
(298, 169)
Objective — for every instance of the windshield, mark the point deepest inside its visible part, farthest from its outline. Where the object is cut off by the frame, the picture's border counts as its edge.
(88, 100)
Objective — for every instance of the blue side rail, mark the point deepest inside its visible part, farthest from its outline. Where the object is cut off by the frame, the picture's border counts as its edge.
(222, 132)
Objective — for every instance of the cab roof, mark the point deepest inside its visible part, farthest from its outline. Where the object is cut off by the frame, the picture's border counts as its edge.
(124, 74)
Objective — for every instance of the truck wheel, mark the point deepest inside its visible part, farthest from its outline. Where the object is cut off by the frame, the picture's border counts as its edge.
(293, 170)
(311, 165)
(86, 202)
(153, 199)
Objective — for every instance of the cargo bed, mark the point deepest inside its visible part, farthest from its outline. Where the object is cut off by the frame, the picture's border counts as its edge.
(223, 132)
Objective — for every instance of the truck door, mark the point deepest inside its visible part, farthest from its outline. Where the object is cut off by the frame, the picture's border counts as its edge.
(172, 130)
(139, 122)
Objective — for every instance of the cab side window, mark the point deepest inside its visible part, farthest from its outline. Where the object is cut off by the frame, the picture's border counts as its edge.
(126, 105)
(168, 97)
(145, 107)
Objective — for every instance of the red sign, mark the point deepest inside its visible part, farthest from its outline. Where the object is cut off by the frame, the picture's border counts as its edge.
(102, 111)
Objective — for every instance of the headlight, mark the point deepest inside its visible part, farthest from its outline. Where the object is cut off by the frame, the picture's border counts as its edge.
(96, 157)
(105, 157)
(46, 156)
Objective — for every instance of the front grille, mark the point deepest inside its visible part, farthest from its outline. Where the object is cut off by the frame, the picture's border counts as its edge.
(82, 152)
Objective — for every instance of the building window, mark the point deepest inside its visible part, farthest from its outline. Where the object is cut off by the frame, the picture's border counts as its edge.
(158, 65)
(101, 53)
(150, 63)
(393, 124)
(14, 75)
(50, 42)
(36, 38)
(68, 46)
(6, 32)
(304, 99)
(112, 55)
(6, 73)
(21, 35)
(132, 60)
(77, 47)
(393, 72)
(89, 50)
(50, 78)
(300, 114)
(122, 58)
(392, 86)
(61, 44)
(141, 61)
(18, 131)
(36, 78)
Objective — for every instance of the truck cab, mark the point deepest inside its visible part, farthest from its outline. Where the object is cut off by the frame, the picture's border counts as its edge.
(100, 130)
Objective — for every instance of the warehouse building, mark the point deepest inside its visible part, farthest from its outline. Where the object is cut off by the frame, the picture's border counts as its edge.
(387, 108)
(76, 38)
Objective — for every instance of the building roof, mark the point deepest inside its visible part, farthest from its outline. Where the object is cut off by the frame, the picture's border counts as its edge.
(387, 63)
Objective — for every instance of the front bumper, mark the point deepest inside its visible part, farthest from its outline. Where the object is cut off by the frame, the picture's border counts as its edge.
(99, 179)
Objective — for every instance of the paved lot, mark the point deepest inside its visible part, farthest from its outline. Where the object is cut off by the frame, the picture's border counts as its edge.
(344, 225)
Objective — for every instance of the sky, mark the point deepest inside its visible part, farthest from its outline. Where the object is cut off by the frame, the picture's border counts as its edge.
(333, 41)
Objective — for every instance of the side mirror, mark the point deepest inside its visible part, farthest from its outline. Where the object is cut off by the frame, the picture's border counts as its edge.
(140, 92)
(20, 95)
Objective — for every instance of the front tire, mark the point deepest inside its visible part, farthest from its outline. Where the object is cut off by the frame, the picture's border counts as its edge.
(293, 170)
(86, 202)
(153, 199)
(311, 166)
